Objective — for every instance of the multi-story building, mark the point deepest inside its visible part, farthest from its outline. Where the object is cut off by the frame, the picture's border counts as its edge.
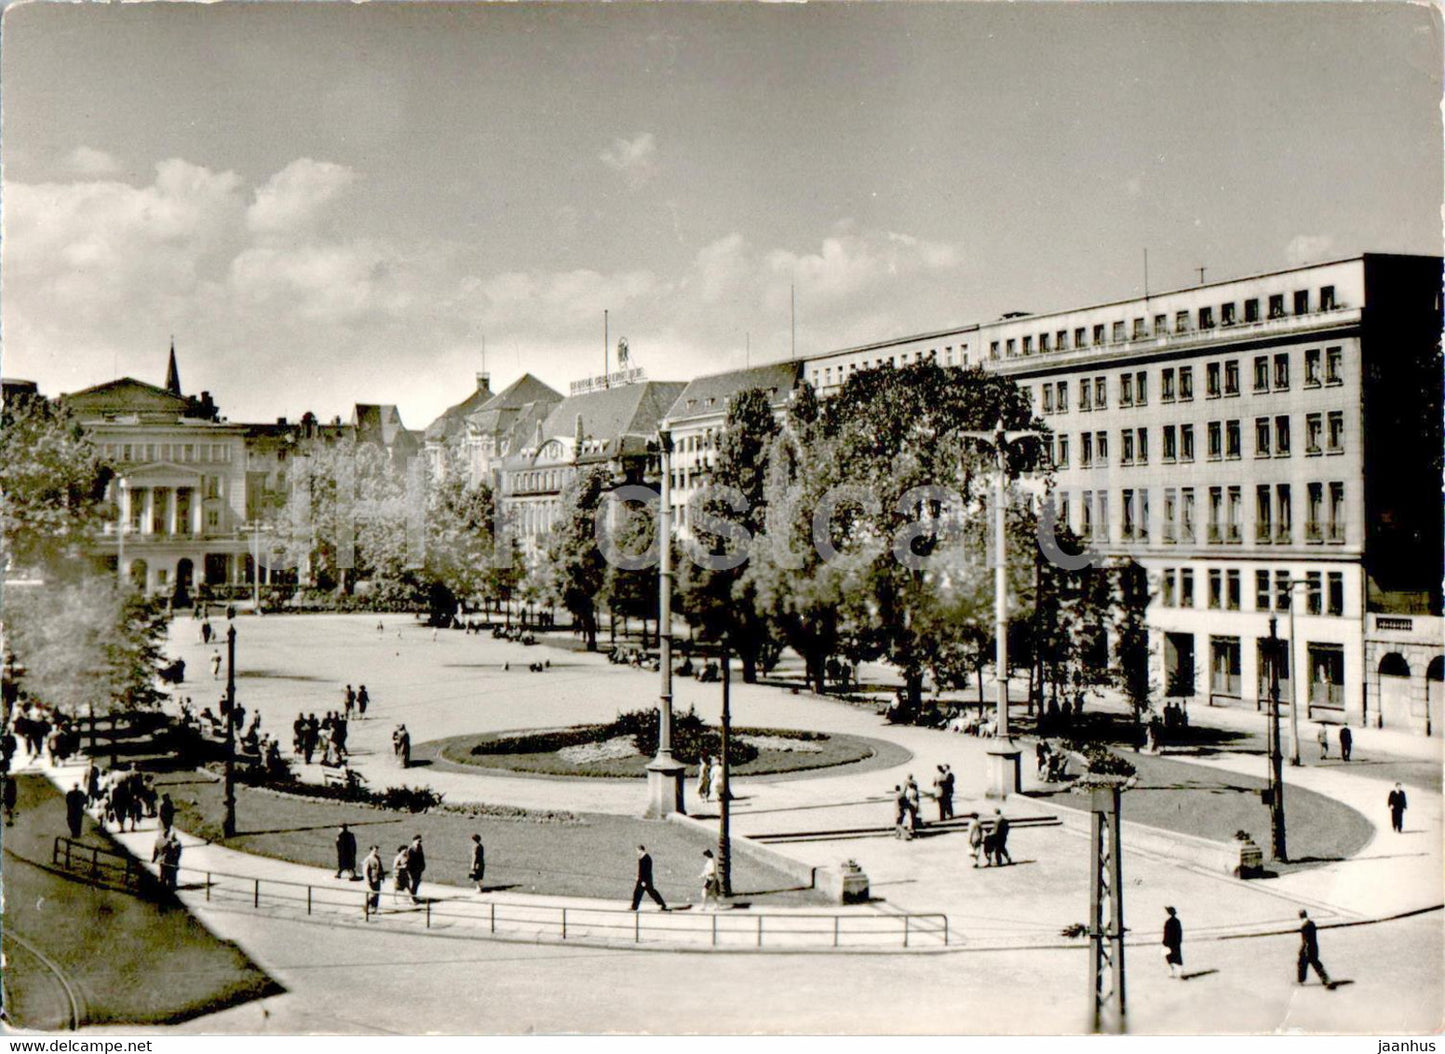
(611, 427)
(1250, 441)
(698, 417)
(504, 423)
(180, 483)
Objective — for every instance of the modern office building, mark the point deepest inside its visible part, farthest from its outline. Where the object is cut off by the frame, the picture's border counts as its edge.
(1250, 441)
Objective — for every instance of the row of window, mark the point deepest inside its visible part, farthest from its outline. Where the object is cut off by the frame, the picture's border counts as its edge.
(1224, 441)
(1120, 331)
(1176, 384)
(1271, 594)
(175, 452)
(1325, 515)
(829, 376)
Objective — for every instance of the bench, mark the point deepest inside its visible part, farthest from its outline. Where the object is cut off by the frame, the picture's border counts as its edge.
(336, 776)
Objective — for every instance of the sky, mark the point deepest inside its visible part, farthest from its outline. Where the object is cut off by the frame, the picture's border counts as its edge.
(326, 204)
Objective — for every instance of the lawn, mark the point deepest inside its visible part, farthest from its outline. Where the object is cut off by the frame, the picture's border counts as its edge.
(818, 751)
(591, 855)
(129, 958)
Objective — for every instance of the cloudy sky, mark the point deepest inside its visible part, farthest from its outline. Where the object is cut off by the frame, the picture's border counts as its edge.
(330, 204)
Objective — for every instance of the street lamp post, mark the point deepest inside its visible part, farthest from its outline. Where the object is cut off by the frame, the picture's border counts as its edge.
(724, 838)
(1293, 668)
(664, 773)
(1003, 755)
(228, 823)
(1277, 653)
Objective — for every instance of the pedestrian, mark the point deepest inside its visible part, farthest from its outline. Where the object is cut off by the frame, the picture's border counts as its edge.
(943, 791)
(206, 632)
(1396, 802)
(479, 862)
(350, 700)
(1173, 943)
(167, 852)
(711, 887)
(92, 782)
(704, 778)
(901, 828)
(400, 880)
(380, 629)
(7, 798)
(346, 852)
(718, 782)
(915, 804)
(374, 871)
(1309, 952)
(1347, 742)
(361, 700)
(74, 809)
(216, 666)
(415, 865)
(975, 837)
(312, 735)
(401, 739)
(1324, 741)
(166, 812)
(120, 800)
(644, 881)
(1000, 838)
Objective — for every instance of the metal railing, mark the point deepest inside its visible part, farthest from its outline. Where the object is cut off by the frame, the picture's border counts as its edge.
(726, 930)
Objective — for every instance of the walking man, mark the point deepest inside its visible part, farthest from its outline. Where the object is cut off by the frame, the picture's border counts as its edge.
(374, 871)
(975, 837)
(361, 700)
(479, 862)
(216, 666)
(166, 811)
(350, 700)
(1000, 838)
(1347, 742)
(1309, 951)
(1173, 943)
(415, 865)
(1396, 802)
(74, 809)
(943, 790)
(167, 853)
(346, 852)
(644, 881)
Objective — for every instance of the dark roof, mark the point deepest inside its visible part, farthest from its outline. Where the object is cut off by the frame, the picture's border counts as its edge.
(499, 415)
(451, 420)
(380, 423)
(525, 389)
(612, 414)
(126, 396)
(710, 395)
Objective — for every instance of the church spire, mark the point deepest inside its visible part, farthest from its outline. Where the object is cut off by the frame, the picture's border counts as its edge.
(173, 375)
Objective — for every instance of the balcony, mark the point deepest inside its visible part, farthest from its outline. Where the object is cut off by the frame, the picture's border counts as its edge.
(1235, 535)
(1216, 534)
(1282, 535)
(1313, 533)
(1337, 533)
(1262, 534)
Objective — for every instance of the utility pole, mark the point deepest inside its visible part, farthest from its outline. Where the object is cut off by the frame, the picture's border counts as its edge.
(1275, 793)
(724, 838)
(1106, 909)
(228, 824)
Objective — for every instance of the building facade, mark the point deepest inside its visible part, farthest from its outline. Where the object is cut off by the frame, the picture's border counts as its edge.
(1257, 444)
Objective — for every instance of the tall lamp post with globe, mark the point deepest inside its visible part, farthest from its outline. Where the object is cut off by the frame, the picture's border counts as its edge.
(664, 772)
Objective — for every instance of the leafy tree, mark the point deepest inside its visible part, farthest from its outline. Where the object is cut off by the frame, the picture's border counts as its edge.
(87, 644)
(632, 592)
(460, 547)
(579, 572)
(722, 602)
(54, 488)
(1131, 649)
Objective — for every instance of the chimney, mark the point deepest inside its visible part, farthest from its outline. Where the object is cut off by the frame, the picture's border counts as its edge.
(538, 443)
(484, 382)
(578, 435)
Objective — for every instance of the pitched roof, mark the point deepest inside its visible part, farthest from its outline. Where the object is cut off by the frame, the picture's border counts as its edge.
(710, 395)
(126, 396)
(377, 423)
(612, 414)
(499, 415)
(525, 389)
(451, 420)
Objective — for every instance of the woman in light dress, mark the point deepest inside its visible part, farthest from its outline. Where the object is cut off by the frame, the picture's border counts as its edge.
(719, 785)
(711, 886)
(704, 778)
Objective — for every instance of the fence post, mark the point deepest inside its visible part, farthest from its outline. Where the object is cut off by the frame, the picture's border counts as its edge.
(95, 862)
(428, 913)
(208, 885)
(836, 920)
(637, 927)
(714, 931)
(905, 930)
(494, 916)
(67, 854)
(945, 931)
(256, 896)
(564, 924)
(308, 900)
(760, 931)
(366, 905)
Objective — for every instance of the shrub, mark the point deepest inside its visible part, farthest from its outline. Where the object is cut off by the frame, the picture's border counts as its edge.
(1104, 762)
(409, 799)
(692, 739)
(545, 742)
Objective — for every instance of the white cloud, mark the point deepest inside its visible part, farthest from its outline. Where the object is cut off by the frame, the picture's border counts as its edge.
(87, 161)
(1309, 248)
(294, 199)
(634, 159)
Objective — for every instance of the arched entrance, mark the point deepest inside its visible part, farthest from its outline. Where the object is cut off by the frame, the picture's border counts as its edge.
(185, 578)
(1394, 690)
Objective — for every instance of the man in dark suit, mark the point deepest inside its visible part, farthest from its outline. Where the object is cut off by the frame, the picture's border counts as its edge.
(345, 852)
(1173, 943)
(415, 865)
(74, 809)
(1309, 951)
(644, 880)
(1396, 802)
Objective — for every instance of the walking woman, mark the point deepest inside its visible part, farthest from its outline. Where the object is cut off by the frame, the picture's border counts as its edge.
(704, 779)
(401, 879)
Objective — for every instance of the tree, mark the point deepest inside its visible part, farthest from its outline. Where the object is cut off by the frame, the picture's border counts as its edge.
(87, 645)
(460, 545)
(54, 486)
(578, 569)
(1131, 633)
(722, 602)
